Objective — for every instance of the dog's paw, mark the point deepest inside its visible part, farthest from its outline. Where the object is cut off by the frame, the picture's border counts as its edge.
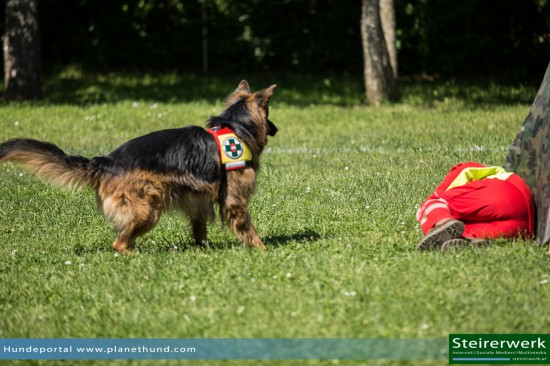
(122, 248)
(257, 244)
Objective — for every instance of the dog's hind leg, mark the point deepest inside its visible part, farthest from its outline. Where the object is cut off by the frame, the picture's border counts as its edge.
(126, 238)
(133, 208)
(200, 210)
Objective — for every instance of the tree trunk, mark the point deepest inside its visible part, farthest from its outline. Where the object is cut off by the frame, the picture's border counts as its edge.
(380, 74)
(387, 15)
(21, 41)
(204, 15)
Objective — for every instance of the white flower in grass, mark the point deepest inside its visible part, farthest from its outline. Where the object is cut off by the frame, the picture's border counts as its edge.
(288, 275)
(193, 298)
(308, 189)
(68, 263)
(544, 281)
(350, 293)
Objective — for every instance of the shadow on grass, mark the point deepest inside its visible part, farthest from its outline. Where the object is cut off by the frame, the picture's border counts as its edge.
(305, 236)
(478, 93)
(148, 247)
(271, 241)
(184, 244)
(73, 86)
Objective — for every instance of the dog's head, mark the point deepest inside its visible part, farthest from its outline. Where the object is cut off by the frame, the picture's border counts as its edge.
(256, 101)
(247, 114)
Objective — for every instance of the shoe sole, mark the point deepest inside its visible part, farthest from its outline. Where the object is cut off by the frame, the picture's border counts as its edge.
(435, 238)
(462, 243)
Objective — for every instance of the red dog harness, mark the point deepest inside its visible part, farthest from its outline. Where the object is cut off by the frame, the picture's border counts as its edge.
(234, 153)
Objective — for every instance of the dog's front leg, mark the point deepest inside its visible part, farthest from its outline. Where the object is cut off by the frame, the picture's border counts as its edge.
(240, 187)
(241, 223)
(199, 231)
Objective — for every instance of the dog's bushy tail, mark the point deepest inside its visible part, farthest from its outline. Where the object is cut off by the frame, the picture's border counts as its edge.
(48, 161)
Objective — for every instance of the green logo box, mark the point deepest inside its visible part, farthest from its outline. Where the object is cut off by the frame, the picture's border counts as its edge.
(506, 349)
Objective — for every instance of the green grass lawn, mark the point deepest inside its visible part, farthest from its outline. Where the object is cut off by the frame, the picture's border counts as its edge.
(335, 204)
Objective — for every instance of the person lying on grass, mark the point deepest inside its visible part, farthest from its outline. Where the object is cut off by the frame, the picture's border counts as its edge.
(474, 203)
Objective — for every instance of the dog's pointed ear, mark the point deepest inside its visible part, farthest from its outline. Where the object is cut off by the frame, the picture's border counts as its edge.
(242, 91)
(263, 96)
(243, 87)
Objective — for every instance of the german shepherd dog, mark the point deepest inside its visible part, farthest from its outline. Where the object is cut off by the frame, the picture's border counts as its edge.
(176, 168)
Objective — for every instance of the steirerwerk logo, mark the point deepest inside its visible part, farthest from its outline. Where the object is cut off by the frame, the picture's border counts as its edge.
(499, 348)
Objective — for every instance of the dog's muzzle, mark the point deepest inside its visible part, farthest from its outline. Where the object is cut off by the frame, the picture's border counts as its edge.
(272, 128)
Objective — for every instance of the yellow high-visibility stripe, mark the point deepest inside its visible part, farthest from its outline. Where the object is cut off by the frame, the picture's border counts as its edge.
(479, 173)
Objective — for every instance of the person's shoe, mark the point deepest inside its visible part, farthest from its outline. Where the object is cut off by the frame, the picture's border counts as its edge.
(451, 229)
(463, 242)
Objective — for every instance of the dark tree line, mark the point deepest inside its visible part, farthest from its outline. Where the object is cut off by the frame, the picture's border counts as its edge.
(448, 37)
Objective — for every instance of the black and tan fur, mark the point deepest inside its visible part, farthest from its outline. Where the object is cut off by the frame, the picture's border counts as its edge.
(177, 168)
